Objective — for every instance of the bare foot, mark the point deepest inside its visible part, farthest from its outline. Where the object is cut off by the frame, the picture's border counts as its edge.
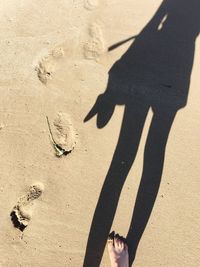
(118, 251)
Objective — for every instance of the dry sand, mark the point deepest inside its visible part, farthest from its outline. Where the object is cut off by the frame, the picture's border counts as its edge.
(54, 62)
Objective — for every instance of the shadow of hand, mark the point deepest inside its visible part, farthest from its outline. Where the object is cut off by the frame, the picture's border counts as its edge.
(103, 108)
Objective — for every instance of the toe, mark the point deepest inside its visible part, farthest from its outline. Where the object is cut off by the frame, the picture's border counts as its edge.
(111, 235)
(117, 241)
(110, 240)
(121, 242)
(110, 244)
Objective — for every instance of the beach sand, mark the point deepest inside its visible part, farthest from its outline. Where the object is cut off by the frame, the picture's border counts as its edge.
(54, 63)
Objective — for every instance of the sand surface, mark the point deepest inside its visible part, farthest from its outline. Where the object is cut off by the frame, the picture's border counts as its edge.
(54, 63)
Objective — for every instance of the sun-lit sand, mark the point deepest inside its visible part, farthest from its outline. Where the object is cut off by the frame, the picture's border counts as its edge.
(54, 64)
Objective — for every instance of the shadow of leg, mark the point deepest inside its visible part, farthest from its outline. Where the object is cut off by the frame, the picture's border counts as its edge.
(123, 158)
(152, 171)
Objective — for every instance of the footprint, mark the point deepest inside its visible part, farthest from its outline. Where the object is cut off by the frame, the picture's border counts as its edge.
(45, 70)
(47, 65)
(91, 4)
(63, 132)
(95, 46)
(22, 211)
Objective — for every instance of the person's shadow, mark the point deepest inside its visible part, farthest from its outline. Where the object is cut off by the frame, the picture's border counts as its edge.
(153, 73)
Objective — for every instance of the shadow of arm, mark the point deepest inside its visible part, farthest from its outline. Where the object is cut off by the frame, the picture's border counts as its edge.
(103, 108)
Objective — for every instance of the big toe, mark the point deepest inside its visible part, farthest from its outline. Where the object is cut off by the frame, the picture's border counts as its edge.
(110, 241)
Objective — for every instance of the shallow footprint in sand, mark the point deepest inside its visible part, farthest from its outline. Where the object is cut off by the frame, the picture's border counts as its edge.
(63, 133)
(47, 65)
(91, 4)
(95, 46)
(22, 212)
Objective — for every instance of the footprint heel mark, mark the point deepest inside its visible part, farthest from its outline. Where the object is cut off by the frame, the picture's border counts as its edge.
(21, 213)
(15, 218)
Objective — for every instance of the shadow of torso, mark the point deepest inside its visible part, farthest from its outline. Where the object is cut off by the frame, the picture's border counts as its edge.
(157, 66)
